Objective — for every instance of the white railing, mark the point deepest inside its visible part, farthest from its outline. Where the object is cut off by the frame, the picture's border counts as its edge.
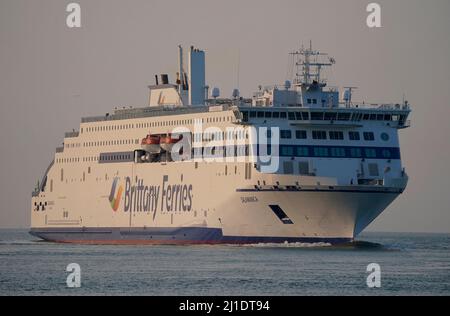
(362, 105)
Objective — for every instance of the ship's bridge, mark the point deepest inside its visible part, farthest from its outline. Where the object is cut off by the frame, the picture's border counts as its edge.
(356, 115)
(309, 101)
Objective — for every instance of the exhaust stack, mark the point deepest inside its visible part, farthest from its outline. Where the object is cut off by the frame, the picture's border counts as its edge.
(196, 77)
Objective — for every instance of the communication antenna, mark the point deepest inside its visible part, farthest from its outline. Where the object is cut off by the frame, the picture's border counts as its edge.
(238, 68)
(309, 66)
(348, 95)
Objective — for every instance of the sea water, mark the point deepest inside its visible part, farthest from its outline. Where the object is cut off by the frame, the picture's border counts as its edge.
(410, 264)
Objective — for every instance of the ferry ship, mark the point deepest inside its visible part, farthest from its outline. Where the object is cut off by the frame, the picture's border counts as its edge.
(296, 162)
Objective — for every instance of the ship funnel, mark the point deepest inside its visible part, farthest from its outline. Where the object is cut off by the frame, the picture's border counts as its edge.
(180, 74)
(196, 76)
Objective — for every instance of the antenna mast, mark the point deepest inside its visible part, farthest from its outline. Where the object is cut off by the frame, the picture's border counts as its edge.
(238, 67)
(308, 59)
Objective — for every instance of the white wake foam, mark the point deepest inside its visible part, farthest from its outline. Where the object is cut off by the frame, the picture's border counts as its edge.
(288, 245)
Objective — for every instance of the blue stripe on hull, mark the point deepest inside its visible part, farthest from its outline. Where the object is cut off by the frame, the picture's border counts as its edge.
(186, 235)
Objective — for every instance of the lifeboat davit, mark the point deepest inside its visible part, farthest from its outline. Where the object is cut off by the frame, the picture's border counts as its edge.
(151, 144)
(167, 141)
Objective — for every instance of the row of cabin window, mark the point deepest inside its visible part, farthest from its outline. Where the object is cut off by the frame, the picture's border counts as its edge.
(220, 151)
(301, 151)
(111, 142)
(115, 157)
(77, 159)
(240, 134)
(72, 145)
(320, 116)
(338, 152)
(334, 135)
(105, 128)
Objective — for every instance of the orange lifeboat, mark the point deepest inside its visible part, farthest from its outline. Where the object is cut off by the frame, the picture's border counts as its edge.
(151, 144)
(167, 141)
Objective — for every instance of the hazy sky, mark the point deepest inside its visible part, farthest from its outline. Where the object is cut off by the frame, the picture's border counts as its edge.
(51, 76)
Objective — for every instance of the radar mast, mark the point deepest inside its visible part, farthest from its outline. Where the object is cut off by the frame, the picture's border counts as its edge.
(308, 65)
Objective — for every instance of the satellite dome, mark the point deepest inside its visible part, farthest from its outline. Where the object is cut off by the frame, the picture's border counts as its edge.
(287, 84)
(215, 92)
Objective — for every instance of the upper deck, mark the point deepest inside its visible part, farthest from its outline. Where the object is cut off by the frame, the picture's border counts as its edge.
(309, 101)
(354, 115)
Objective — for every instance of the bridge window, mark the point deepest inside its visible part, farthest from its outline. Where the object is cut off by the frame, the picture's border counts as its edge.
(302, 151)
(353, 136)
(344, 116)
(321, 152)
(337, 152)
(300, 134)
(319, 134)
(336, 135)
(386, 153)
(370, 153)
(287, 151)
(355, 152)
(330, 116)
(317, 116)
(291, 116)
(286, 134)
(369, 136)
(276, 114)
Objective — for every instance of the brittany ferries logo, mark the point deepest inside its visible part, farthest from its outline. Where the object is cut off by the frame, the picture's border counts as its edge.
(114, 198)
(138, 197)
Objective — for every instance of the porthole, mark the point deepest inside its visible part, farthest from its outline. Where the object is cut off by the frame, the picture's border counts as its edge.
(385, 137)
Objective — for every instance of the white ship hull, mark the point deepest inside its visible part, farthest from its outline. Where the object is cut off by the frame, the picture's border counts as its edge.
(232, 212)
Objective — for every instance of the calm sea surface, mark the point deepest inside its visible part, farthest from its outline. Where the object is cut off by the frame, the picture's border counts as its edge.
(411, 264)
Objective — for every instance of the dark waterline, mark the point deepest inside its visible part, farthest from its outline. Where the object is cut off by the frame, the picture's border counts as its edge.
(411, 264)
